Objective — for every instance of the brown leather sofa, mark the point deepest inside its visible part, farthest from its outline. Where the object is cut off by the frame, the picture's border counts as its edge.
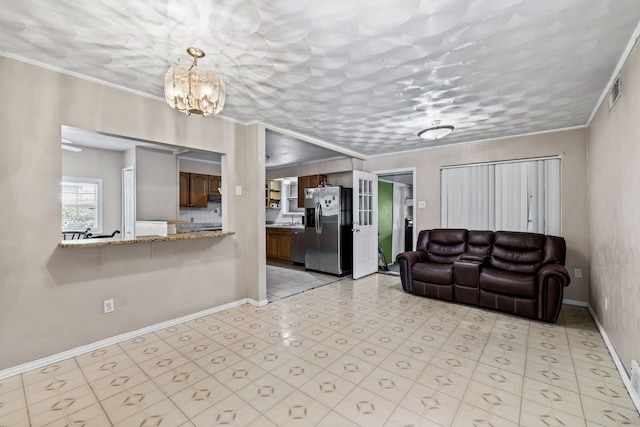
(514, 272)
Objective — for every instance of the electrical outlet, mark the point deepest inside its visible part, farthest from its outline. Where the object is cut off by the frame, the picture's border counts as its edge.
(109, 306)
(422, 204)
(577, 273)
(238, 190)
(606, 303)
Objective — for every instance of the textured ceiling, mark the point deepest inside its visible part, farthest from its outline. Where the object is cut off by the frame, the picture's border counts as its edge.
(363, 75)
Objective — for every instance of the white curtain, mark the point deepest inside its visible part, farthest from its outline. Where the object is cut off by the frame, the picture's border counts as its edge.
(515, 196)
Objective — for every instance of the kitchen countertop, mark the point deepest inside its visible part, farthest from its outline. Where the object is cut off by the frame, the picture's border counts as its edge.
(297, 226)
(92, 243)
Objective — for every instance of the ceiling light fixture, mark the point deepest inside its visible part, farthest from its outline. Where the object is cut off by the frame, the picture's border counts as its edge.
(436, 131)
(193, 90)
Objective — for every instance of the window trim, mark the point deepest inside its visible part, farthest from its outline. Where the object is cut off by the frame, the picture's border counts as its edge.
(99, 199)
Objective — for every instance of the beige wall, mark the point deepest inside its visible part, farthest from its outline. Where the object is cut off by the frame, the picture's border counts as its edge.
(614, 208)
(51, 298)
(105, 164)
(324, 167)
(194, 166)
(570, 145)
(156, 185)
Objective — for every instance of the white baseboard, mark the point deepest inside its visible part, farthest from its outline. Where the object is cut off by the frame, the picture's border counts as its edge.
(260, 303)
(39, 363)
(616, 359)
(575, 302)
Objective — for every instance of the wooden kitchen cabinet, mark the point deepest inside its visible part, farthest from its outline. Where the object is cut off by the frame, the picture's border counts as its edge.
(215, 182)
(309, 181)
(279, 244)
(194, 190)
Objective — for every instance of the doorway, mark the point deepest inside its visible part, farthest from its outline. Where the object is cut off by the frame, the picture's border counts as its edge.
(395, 216)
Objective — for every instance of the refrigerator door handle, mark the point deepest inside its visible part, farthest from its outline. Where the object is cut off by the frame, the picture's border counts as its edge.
(320, 218)
(317, 217)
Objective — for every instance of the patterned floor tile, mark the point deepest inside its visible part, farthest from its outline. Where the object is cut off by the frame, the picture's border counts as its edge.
(431, 404)
(365, 408)
(162, 413)
(297, 409)
(200, 396)
(349, 353)
(265, 392)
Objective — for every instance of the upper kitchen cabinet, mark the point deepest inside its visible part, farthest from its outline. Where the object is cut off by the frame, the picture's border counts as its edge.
(215, 182)
(310, 181)
(194, 190)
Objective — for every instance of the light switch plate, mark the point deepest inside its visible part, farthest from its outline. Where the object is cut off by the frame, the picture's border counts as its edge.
(422, 204)
(238, 190)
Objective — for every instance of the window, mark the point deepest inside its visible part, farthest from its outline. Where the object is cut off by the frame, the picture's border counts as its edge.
(514, 196)
(81, 204)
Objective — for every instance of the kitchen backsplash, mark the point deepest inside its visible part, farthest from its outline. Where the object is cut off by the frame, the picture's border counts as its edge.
(211, 214)
(275, 216)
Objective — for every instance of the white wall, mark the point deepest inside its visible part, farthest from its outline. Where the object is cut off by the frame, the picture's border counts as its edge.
(51, 298)
(570, 145)
(614, 208)
(105, 164)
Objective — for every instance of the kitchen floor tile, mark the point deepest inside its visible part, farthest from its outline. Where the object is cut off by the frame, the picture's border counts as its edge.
(346, 354)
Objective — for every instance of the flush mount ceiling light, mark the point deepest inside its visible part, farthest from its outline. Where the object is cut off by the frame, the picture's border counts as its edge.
(436, 131)
(193, 90)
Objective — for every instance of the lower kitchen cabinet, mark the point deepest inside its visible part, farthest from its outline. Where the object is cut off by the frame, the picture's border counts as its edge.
(279, 244)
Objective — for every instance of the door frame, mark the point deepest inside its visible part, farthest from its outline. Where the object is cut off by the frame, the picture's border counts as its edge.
(413, 171)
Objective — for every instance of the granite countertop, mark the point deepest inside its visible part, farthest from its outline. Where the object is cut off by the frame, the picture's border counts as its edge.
(92, 243)
(296, 226)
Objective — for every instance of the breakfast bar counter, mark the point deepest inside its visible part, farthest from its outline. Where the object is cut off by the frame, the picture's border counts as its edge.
(92, 243)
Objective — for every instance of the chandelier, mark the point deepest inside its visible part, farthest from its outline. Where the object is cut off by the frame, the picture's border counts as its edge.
(436, 131)
(192, 90)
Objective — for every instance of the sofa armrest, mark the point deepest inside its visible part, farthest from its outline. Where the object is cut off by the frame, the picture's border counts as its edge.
(405, 261)
(466, 271)
(551, 279)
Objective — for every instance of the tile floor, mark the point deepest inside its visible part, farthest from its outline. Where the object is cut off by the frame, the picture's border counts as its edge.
(284, 280)
(350, 353)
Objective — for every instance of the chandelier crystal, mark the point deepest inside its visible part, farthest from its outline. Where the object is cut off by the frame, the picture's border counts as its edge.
(193, 90)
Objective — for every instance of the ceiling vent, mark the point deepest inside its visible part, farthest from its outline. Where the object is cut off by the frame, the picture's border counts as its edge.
(614, 93)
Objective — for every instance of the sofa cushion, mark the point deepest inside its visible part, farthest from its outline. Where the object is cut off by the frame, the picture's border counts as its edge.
(508, 283)
(479, 243)
(446, 245)
(432, 272)
(518, 252)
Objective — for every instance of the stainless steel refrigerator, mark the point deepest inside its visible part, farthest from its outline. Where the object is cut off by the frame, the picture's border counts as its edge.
(328, 237)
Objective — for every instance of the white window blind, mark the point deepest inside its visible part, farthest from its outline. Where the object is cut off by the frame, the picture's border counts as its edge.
(515, 196)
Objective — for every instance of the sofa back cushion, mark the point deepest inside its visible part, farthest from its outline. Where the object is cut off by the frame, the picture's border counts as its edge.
(479, 243)
(555, 250)
(446, 245)
(518, 252)
(423, 240)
